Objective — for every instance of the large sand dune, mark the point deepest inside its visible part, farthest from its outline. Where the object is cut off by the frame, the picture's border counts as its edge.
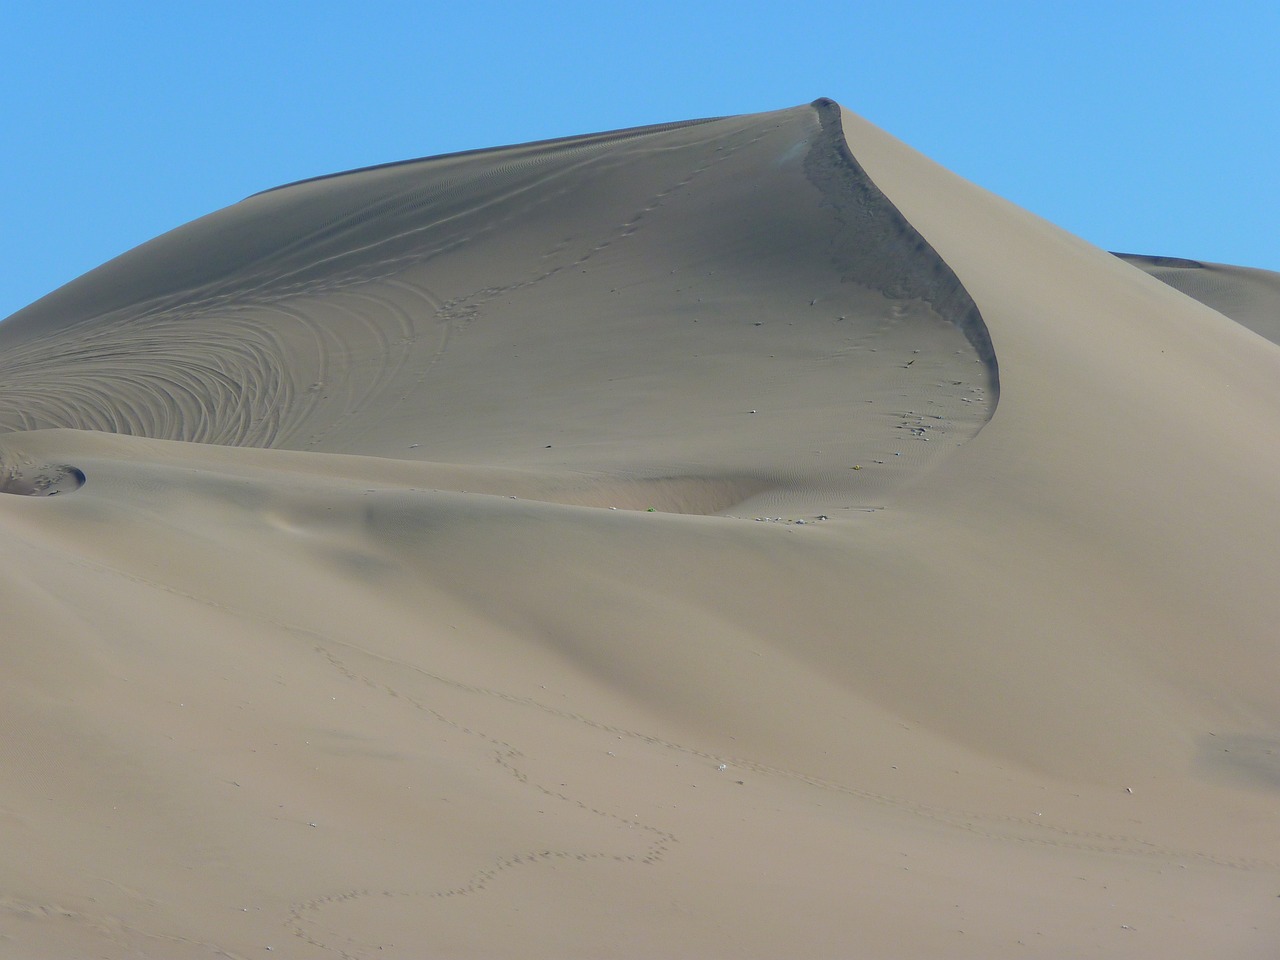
(738, 538)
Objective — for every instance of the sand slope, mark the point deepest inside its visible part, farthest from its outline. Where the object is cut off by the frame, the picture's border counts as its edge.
(321, 633)
(1246, 295)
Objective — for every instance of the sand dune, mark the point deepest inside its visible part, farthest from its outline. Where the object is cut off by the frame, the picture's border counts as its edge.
(1248, 296)
(729, 538)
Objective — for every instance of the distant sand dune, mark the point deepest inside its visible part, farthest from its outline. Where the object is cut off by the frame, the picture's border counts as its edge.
(737, 538)
(1248, 296)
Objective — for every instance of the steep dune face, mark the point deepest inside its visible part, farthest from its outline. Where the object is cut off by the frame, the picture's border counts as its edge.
(1137, 422)
(330, 642)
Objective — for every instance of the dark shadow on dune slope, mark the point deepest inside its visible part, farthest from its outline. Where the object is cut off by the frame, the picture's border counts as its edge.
(1249, 760)
(878, 247)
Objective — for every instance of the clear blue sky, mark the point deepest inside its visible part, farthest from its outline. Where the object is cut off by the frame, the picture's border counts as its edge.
(1139, 126)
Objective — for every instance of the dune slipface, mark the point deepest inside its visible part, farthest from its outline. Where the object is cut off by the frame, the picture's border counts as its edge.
(728, 538)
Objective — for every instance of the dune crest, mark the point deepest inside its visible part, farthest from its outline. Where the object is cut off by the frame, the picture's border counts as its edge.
(613, 546)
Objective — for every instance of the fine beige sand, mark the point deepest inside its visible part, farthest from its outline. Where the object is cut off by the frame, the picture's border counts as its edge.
(737, 538)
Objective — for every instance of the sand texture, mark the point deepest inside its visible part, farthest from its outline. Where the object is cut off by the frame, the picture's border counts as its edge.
(738, 538)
